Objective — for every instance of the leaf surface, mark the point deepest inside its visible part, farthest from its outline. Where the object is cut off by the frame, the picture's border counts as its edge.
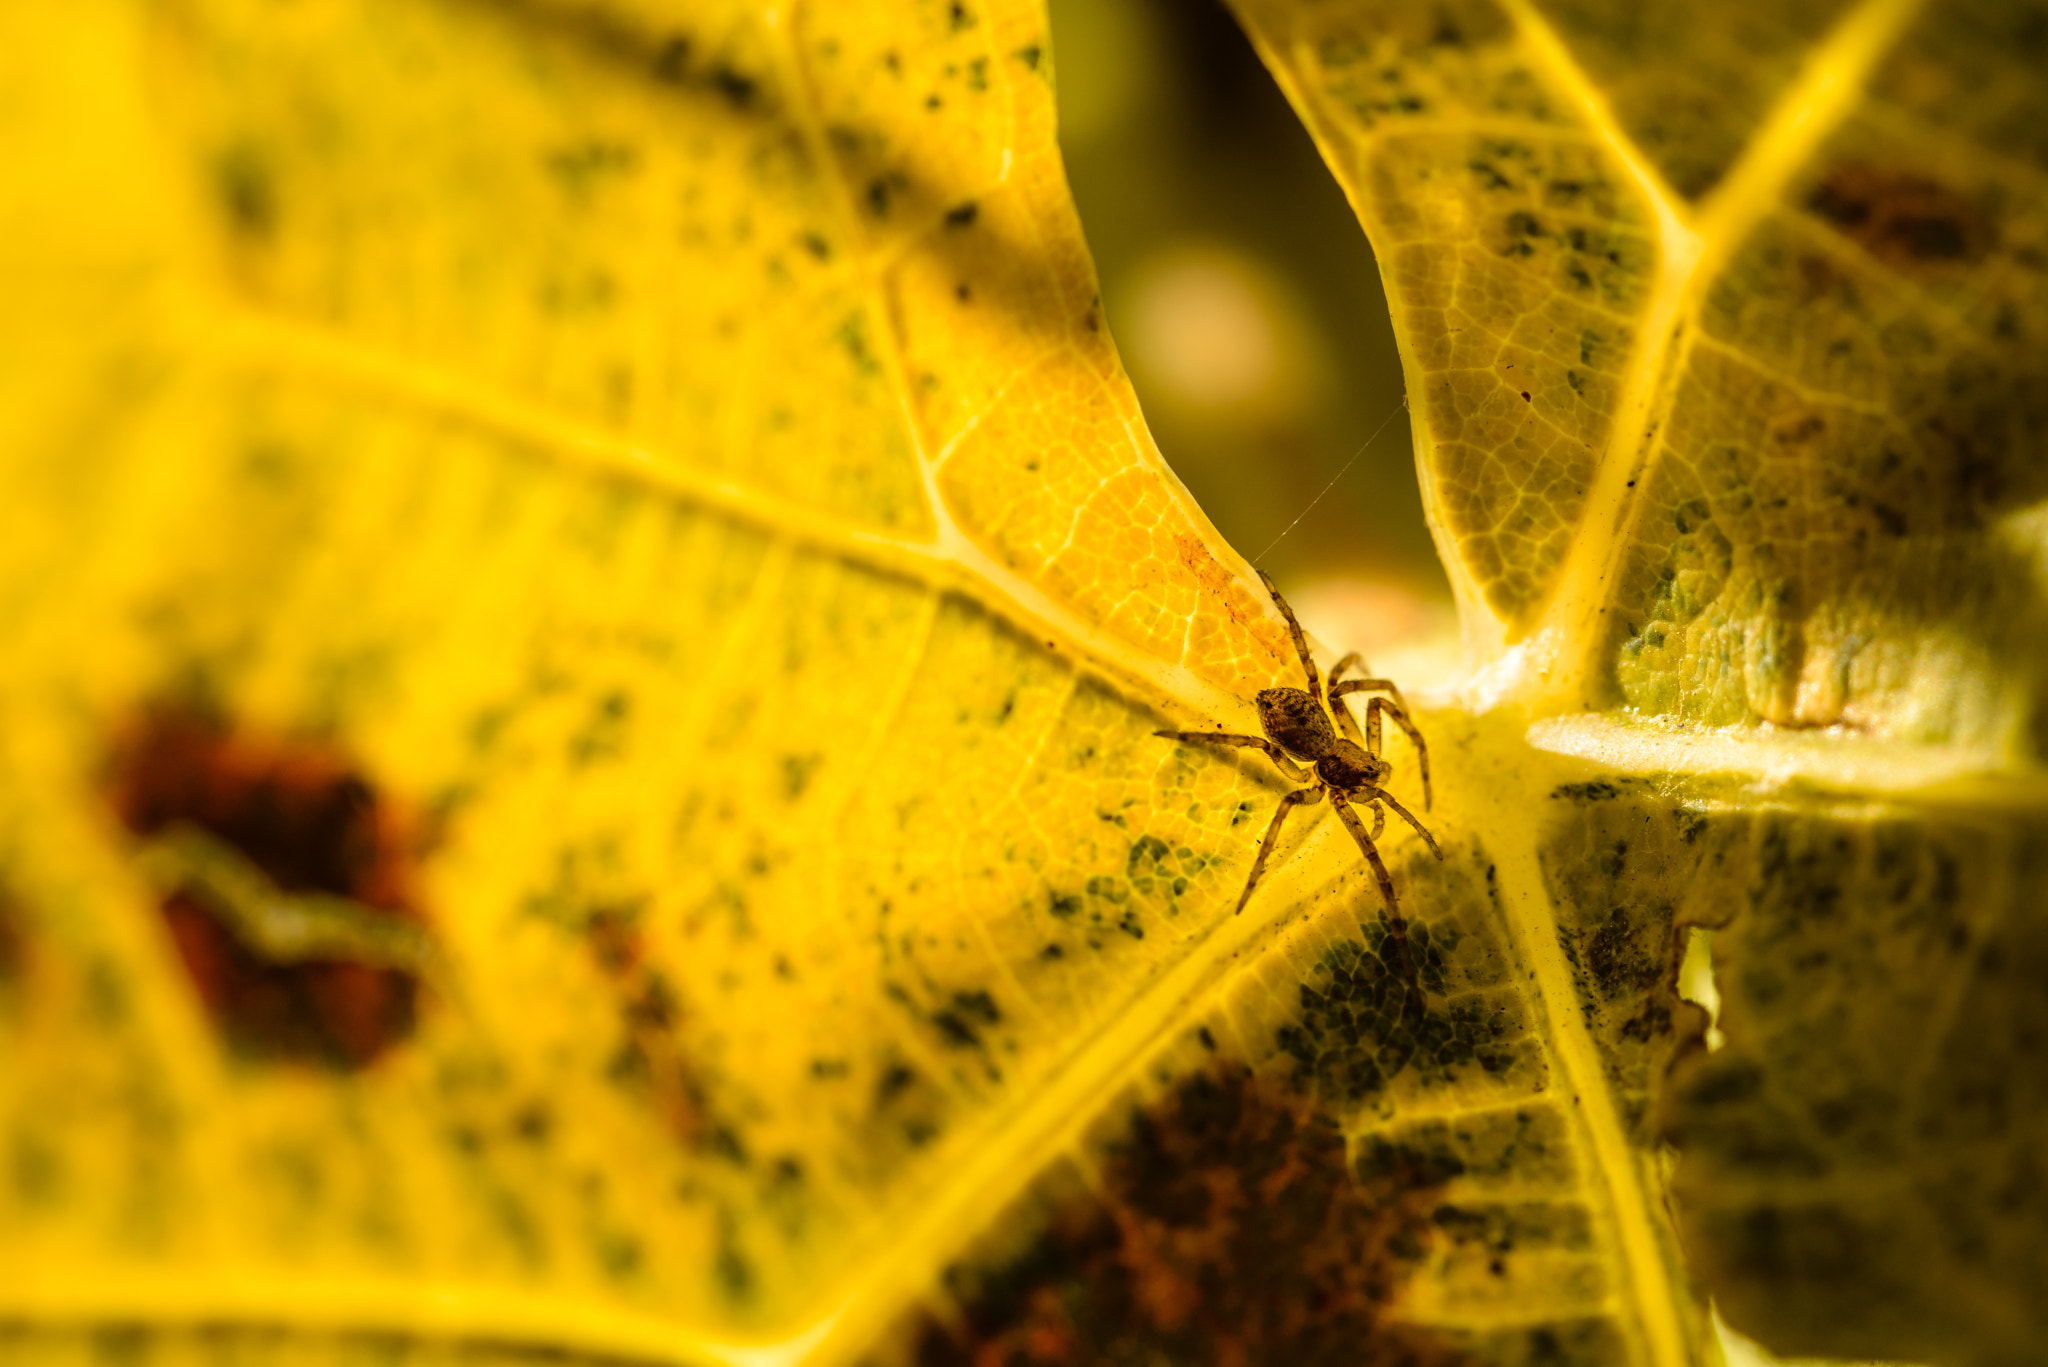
(627, 496)
(1726, 331)
(589, 602)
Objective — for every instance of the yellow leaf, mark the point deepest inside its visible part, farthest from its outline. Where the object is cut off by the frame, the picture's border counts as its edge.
(587, 602)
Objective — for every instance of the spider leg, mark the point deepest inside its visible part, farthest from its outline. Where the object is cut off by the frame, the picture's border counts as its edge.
(1294, 773)
(1397, 928)
(1363, 685)
(1373, 735)
(1347, 722)
(1381, 795)
(1315, 681)
(1349, 817)
(1298, 797)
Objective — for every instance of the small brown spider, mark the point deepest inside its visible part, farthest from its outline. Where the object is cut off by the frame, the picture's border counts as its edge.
(1347, 768)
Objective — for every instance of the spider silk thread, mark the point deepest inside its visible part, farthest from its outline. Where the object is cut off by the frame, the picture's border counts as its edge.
(1403, 403)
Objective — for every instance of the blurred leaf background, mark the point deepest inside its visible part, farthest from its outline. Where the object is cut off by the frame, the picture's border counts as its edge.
(1249, 311)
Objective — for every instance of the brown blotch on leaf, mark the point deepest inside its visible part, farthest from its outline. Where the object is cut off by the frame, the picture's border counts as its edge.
(1228, 1228)
(310, 823)
(1902, 219)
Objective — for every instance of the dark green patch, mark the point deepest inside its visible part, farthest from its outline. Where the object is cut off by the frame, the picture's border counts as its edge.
(672, 60)
(961, 1022)
(620, 1255)
(1586, 792)
(1650, 1022)
(534, 1123)
(852, 337)
(896, 1079)
(1623, 955)
(735, 1270)
(1361, 1024)
(121, 1345)
(878, 195)
(797, 771)
(1145, 849)
(248, 190)
(579, 169)
(738, 89)
(1110, 888)
(724, 1142)
(1406, 1163)
(35, 1167)
(604, 734)
(1488, 175)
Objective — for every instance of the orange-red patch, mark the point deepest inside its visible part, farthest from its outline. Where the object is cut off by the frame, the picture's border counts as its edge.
(1228, 1229)
(1214, 579)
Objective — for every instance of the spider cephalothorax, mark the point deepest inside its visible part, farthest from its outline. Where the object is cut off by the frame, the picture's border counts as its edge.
(1296, 722)
(1346, 766)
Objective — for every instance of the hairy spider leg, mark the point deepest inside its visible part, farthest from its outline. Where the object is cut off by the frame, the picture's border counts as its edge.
(1381, 795)
(1357, 661)
(1298, 798)
(1354, 660)
(1397, 927)
(1315, 680)
(1347, 723)
(1373, 736)
(1349, 817)
(1294, 773)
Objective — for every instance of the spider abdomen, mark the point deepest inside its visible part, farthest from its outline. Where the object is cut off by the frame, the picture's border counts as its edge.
(1296, 723)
